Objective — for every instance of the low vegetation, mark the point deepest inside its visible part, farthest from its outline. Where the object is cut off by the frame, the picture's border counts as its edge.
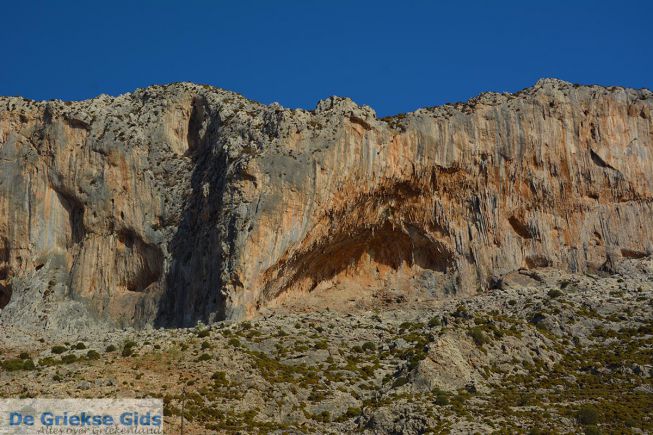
(554, 360)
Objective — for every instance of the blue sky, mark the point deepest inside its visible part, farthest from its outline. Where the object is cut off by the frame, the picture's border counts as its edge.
(393, 55)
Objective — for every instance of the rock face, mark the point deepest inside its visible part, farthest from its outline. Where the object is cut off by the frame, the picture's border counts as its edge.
(182, 203)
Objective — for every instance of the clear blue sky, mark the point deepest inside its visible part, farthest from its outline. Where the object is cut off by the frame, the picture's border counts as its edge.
(393, 55)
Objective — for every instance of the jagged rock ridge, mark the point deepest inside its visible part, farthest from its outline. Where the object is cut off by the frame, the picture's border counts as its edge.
(180, 203)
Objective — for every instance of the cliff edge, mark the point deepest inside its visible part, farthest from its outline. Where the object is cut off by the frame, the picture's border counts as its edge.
(184, 203)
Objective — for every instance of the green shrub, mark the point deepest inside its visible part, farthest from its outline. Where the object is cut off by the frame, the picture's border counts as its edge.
(204, 333)
(12, 365)
(23, 355)
(477, 335)
(400, 381)
(352, 412)
(68, 359)
(234, 342)
(58, 350)
(111, 348)
(592, 430)
(554, 293)
(219, 378)
(368, 346)
(410, 326)
(80, 346)
(205, 345)
(588, 415)
(92, 355)
(435, 321)
(48, 361)
(128, 349)
(537, 318)
(204, 357)
(461, 312)
(441, 399)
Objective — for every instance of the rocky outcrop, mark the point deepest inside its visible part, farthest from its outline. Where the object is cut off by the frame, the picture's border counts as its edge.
(181, 203)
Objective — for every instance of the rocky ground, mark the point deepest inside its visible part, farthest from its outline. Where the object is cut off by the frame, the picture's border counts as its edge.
(542, 352)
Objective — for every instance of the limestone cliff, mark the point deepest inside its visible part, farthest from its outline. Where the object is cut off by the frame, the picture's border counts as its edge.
(181, 203)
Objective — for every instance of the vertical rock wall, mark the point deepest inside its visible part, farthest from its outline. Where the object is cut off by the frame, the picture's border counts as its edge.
(183, 203)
